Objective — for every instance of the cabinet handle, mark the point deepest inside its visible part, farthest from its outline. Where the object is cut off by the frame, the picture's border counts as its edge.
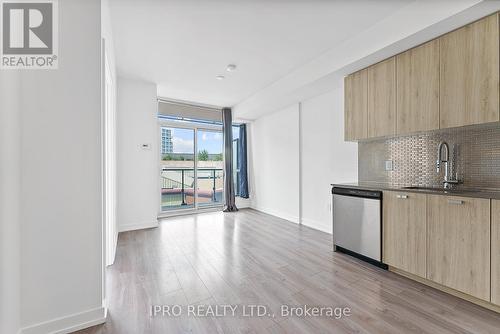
(402, 196)
(455, 201)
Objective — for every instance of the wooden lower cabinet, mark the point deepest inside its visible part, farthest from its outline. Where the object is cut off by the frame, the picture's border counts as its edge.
(458, 239)
(495, 252)
(404, 231)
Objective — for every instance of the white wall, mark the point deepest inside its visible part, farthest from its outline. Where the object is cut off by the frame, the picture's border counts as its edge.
(274, 163)
(138, 169)
(291, 174)
(9, 201)
(325, 157)
(61, 231)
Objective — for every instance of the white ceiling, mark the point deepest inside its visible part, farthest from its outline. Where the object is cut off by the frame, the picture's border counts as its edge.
(181, 45)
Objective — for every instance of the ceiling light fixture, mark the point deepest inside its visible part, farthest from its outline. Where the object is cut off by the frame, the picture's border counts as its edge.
(220, 77)
(231, 68)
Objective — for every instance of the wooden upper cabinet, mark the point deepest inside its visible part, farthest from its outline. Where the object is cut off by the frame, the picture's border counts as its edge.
(404, 231)
(495, 252)
(417, 80)
(382, 98)
(469, 75)
(458, 236)
(451, 81)
(356, 113)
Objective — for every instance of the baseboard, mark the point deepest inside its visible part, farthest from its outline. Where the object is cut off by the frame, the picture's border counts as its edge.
(243, 203)
(70, 323)
(459, 294)
(139, 226)
(186, 212)
(317, 225)
(278, 214)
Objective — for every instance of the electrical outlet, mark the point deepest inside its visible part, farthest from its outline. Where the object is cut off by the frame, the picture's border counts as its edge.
(389, 166)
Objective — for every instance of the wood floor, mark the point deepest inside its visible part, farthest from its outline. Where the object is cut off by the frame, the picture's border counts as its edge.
(253, 258)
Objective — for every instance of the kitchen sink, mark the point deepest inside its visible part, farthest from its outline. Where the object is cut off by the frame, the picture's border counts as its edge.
(442, 190)
(424, 188)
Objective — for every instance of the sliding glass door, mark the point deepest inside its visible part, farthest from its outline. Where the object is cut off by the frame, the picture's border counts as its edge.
(177, 168)
(189, 180)
(209, 176)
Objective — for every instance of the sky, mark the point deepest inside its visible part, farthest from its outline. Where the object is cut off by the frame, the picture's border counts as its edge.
(183, 141)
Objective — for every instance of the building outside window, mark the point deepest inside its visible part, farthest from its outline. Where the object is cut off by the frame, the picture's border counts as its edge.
(166, 141)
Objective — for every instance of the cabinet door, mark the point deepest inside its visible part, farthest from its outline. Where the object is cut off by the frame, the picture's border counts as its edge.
(495, 252)
(404, 231)
(382, 99)
(356, 113)
(458, 234)
(469, 75)
(417, 78)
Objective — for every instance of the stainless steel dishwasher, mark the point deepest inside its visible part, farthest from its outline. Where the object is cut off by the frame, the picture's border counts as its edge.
(357, 223)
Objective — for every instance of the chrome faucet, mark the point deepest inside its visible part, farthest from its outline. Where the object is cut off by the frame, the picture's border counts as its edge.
(445, 159)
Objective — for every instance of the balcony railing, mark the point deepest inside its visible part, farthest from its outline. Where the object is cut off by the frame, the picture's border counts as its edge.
(178, 187)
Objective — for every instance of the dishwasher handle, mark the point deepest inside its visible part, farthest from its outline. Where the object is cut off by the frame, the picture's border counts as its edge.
(353, 192)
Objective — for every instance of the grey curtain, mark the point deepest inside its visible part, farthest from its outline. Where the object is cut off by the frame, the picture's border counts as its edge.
(229, 193)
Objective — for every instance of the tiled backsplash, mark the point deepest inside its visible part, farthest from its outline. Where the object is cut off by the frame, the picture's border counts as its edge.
(475, 151)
